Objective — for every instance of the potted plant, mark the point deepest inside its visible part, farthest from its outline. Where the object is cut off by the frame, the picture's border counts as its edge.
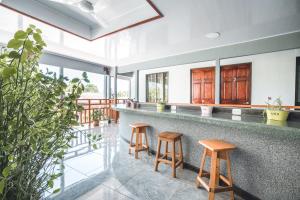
(160, 106)
(38, 115)
(97, 114)
(275, 111)
(206, 110)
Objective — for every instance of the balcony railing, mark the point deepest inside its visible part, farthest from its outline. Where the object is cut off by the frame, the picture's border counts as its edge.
(104, 105)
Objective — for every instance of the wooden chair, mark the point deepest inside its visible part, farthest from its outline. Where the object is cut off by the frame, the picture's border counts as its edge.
(139, 129)
(170, 137)
(216, 149)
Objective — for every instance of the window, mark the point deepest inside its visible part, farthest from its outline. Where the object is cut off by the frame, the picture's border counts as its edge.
(123, 88)
(297, 101)
(157, 87)
(93, 89)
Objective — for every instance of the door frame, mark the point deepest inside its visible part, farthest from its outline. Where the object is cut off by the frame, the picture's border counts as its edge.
(250, 85)
(191, 80)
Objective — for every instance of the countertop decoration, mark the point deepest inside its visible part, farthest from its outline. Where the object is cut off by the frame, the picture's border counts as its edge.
(160, 106)
(275, 111)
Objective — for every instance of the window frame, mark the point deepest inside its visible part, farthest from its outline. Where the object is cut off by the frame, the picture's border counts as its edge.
(165, 94)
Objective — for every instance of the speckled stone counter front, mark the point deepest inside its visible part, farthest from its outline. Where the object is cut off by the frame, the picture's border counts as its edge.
(266, 162)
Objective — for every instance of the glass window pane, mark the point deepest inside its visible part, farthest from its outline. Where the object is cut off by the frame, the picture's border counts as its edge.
(157, 87)
(123, 89)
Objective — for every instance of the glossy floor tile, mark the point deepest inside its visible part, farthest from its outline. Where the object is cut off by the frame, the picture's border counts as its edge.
(109, 173)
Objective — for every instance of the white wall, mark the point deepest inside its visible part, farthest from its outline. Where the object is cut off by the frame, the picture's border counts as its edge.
(273, 74)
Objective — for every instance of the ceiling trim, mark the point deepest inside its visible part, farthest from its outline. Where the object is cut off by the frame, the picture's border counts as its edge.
(159, 15)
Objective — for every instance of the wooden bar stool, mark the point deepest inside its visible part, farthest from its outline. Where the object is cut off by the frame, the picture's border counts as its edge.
(138, 129)
(216, 149)
(170, 137)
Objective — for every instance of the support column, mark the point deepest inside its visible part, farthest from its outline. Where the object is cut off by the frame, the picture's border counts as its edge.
(105, 87)
(116, 84)
(109, 87)
(137, 73)
(217, 81)
(129, 89)
(61, 72)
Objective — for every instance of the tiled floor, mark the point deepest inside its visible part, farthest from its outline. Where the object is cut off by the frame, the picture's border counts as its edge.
(110, 173)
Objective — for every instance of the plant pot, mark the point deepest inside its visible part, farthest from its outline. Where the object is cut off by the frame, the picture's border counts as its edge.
(278, 115)
(160, 107)
(206, 111)
(276, 122)
(96, 123)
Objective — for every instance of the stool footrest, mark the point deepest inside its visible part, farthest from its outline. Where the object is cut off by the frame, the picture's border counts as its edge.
(215, 190)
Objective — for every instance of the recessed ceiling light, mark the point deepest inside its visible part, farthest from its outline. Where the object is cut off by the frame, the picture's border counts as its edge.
(213, 35)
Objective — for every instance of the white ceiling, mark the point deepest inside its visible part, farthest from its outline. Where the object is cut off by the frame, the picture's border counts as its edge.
(181, 30)
(108, 15)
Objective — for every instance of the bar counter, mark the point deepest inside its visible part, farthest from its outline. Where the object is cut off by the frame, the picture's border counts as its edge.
(265, 164)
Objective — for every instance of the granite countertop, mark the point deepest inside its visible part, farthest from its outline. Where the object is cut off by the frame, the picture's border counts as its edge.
(219, 118)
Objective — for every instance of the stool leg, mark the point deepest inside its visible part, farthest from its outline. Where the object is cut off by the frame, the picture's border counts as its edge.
(213, 174)
(157, 154)
(137, 135)
(166, 150)
(173, 160)
(147, 144)
(229, 174)
(141, 138)
(180, 153)
(130, 144)
(201, 167)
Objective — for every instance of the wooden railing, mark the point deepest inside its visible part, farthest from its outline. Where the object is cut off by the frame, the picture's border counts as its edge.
(104, 105)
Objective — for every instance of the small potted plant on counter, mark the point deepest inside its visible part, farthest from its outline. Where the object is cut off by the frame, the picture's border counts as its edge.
(160, 105)
(97, 117)
(275, 111)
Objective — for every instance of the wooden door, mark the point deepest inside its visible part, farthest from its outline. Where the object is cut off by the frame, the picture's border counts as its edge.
(203, 85)
(236, 84)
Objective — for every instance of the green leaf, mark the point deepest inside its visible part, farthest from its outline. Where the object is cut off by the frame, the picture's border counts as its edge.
(50, 183)
(14, 44)
(75, 80)
(95, 146)
(37, 37)
(56, 191)
(8, 72)
(28, 45)
(2, 185)
(20, 34)
(39, 31)
(13, 165)
(6, 171)
(32, 26)
(13, 54)
(24, 56)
